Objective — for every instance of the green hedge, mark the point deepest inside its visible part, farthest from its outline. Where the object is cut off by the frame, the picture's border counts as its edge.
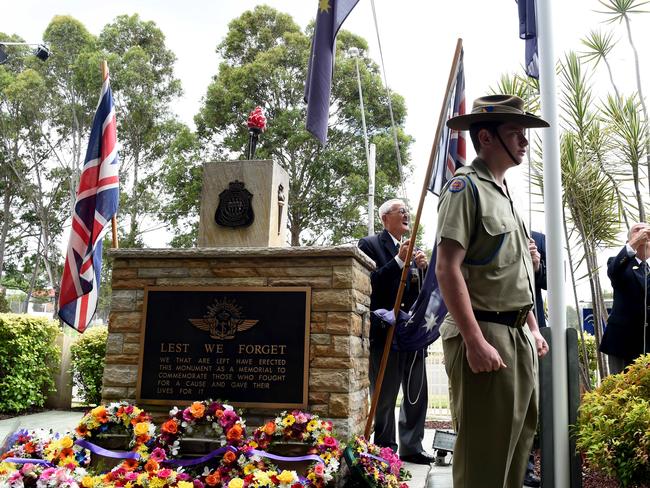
(28, 361)
(87, 357)
(614, 425)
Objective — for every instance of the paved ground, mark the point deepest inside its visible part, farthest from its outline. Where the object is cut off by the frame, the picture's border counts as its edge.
(423, 476)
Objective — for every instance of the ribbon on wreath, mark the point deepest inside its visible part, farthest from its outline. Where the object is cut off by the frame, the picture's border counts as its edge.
(95, 449)
(193, 461)
(308, 457)
(42, 462)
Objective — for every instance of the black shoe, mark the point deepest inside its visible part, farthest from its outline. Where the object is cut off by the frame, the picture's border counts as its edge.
(532, 479)
(419, 458)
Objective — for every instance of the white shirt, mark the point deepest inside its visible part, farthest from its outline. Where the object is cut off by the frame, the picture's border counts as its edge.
(400, 263)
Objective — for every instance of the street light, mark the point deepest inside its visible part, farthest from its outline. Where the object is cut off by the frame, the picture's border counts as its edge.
(42, 52)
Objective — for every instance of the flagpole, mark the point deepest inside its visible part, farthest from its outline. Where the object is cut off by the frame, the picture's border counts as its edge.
(554, 239)
(113, 219)
(425, 185)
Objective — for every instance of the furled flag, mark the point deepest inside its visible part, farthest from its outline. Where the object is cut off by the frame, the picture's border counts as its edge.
(452, 149)
(429, 310)
(331, 14)
(528, 31)
(97, 200)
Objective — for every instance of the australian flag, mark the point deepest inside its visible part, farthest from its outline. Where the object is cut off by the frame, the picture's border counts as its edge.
(97, 200)
(329, 18)
(429, 310)
(528, 31)
(452, 148)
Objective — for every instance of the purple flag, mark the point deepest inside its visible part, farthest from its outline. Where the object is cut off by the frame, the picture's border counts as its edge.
(528, 31)
(330, 16)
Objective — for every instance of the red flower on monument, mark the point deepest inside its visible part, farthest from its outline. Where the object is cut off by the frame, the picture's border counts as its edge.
(256, 120)
(256, 125)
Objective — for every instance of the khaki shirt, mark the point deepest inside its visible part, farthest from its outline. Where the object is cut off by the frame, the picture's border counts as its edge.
(498, 268)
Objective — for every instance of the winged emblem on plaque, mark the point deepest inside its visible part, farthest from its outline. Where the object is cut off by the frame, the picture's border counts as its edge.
(223, 320)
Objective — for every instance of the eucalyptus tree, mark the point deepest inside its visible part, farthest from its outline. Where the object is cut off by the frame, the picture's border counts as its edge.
(144, 86)
(264, 61)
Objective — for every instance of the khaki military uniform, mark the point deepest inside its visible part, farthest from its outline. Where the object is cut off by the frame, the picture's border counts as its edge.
(496, 412)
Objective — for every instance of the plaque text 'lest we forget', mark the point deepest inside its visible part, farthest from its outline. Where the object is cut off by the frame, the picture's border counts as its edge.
(247, 346)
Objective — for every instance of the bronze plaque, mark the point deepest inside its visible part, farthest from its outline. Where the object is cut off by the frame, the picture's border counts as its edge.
(235, 207)
(246, 346)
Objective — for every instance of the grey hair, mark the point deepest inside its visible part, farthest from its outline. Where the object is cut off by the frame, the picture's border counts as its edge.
(387, 205)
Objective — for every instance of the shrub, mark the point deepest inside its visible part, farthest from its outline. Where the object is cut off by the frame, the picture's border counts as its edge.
(87, 361)
(4, 304)
(28, 360)
(614, 425)
(590, 344)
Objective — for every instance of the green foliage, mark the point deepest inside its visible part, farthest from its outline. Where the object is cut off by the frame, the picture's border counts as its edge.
(28, 357)
(591, 363)
(87, 360)
(265, 57)
(4, 304)
(614, 425)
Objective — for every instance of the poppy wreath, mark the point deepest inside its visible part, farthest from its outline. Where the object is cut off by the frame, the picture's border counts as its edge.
(205, 417)
(294, 426)
(117, 418)
(55, 449)
(375, 466)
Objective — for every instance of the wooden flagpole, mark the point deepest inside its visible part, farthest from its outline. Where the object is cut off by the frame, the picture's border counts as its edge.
(425, 184)
(114, 219)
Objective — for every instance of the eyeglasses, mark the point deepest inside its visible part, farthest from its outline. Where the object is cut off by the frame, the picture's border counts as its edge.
(402, 211)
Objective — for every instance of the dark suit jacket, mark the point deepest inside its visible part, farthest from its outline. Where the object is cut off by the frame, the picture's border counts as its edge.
(385, 281)
(540, 278)
(623, 336)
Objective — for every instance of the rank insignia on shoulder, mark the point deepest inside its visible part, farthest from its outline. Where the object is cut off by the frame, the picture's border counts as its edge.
(456, 185)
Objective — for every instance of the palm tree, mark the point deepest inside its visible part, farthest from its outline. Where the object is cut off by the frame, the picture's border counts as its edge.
(620, 11)
(600, 45)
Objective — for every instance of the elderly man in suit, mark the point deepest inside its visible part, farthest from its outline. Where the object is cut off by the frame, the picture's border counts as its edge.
(388, 252)
(627, 335)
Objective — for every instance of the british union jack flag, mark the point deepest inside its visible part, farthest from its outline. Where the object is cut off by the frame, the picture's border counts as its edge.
(97, 200)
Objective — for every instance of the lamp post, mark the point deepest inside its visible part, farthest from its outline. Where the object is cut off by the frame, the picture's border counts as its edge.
(370, 161)
(42, 52)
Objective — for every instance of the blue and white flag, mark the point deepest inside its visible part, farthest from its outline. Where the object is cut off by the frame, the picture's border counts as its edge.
(331, 14)
(528, 31)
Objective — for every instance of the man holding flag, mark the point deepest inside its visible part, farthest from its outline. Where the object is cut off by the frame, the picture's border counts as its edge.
(96, 205)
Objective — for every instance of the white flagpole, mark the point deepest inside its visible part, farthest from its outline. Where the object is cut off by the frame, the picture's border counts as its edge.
(371, 190)
(554, 239)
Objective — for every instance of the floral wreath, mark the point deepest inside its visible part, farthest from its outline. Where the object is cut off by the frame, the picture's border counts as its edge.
(377, 466)
(56, 449)
(105, 419)
(295, 426)
(207, 415)
(41, 476)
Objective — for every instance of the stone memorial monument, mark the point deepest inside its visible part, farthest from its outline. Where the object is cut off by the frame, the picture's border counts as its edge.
(242, 317)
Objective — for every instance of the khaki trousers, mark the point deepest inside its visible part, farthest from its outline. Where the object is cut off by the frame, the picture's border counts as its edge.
(496, 412)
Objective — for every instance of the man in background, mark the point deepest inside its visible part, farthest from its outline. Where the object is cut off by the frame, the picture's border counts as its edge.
(405, 369)
(627, 336)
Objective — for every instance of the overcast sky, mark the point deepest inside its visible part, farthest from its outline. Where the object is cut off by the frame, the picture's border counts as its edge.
(417, 37)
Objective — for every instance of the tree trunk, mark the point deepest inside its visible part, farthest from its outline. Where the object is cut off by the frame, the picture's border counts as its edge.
(133, 231)
(5, 228)
(641, 97)
(584, 364)
(32, 281)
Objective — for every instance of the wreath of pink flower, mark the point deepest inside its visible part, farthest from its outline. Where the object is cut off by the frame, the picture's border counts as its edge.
(378, 466)
(117, 418)
(296, 426)
(210, 417)
(40, 476)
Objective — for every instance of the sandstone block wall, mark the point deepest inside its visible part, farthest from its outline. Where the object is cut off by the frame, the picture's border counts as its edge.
(339, 278)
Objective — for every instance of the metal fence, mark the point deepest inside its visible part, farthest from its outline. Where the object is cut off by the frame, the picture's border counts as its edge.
(438, 384)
